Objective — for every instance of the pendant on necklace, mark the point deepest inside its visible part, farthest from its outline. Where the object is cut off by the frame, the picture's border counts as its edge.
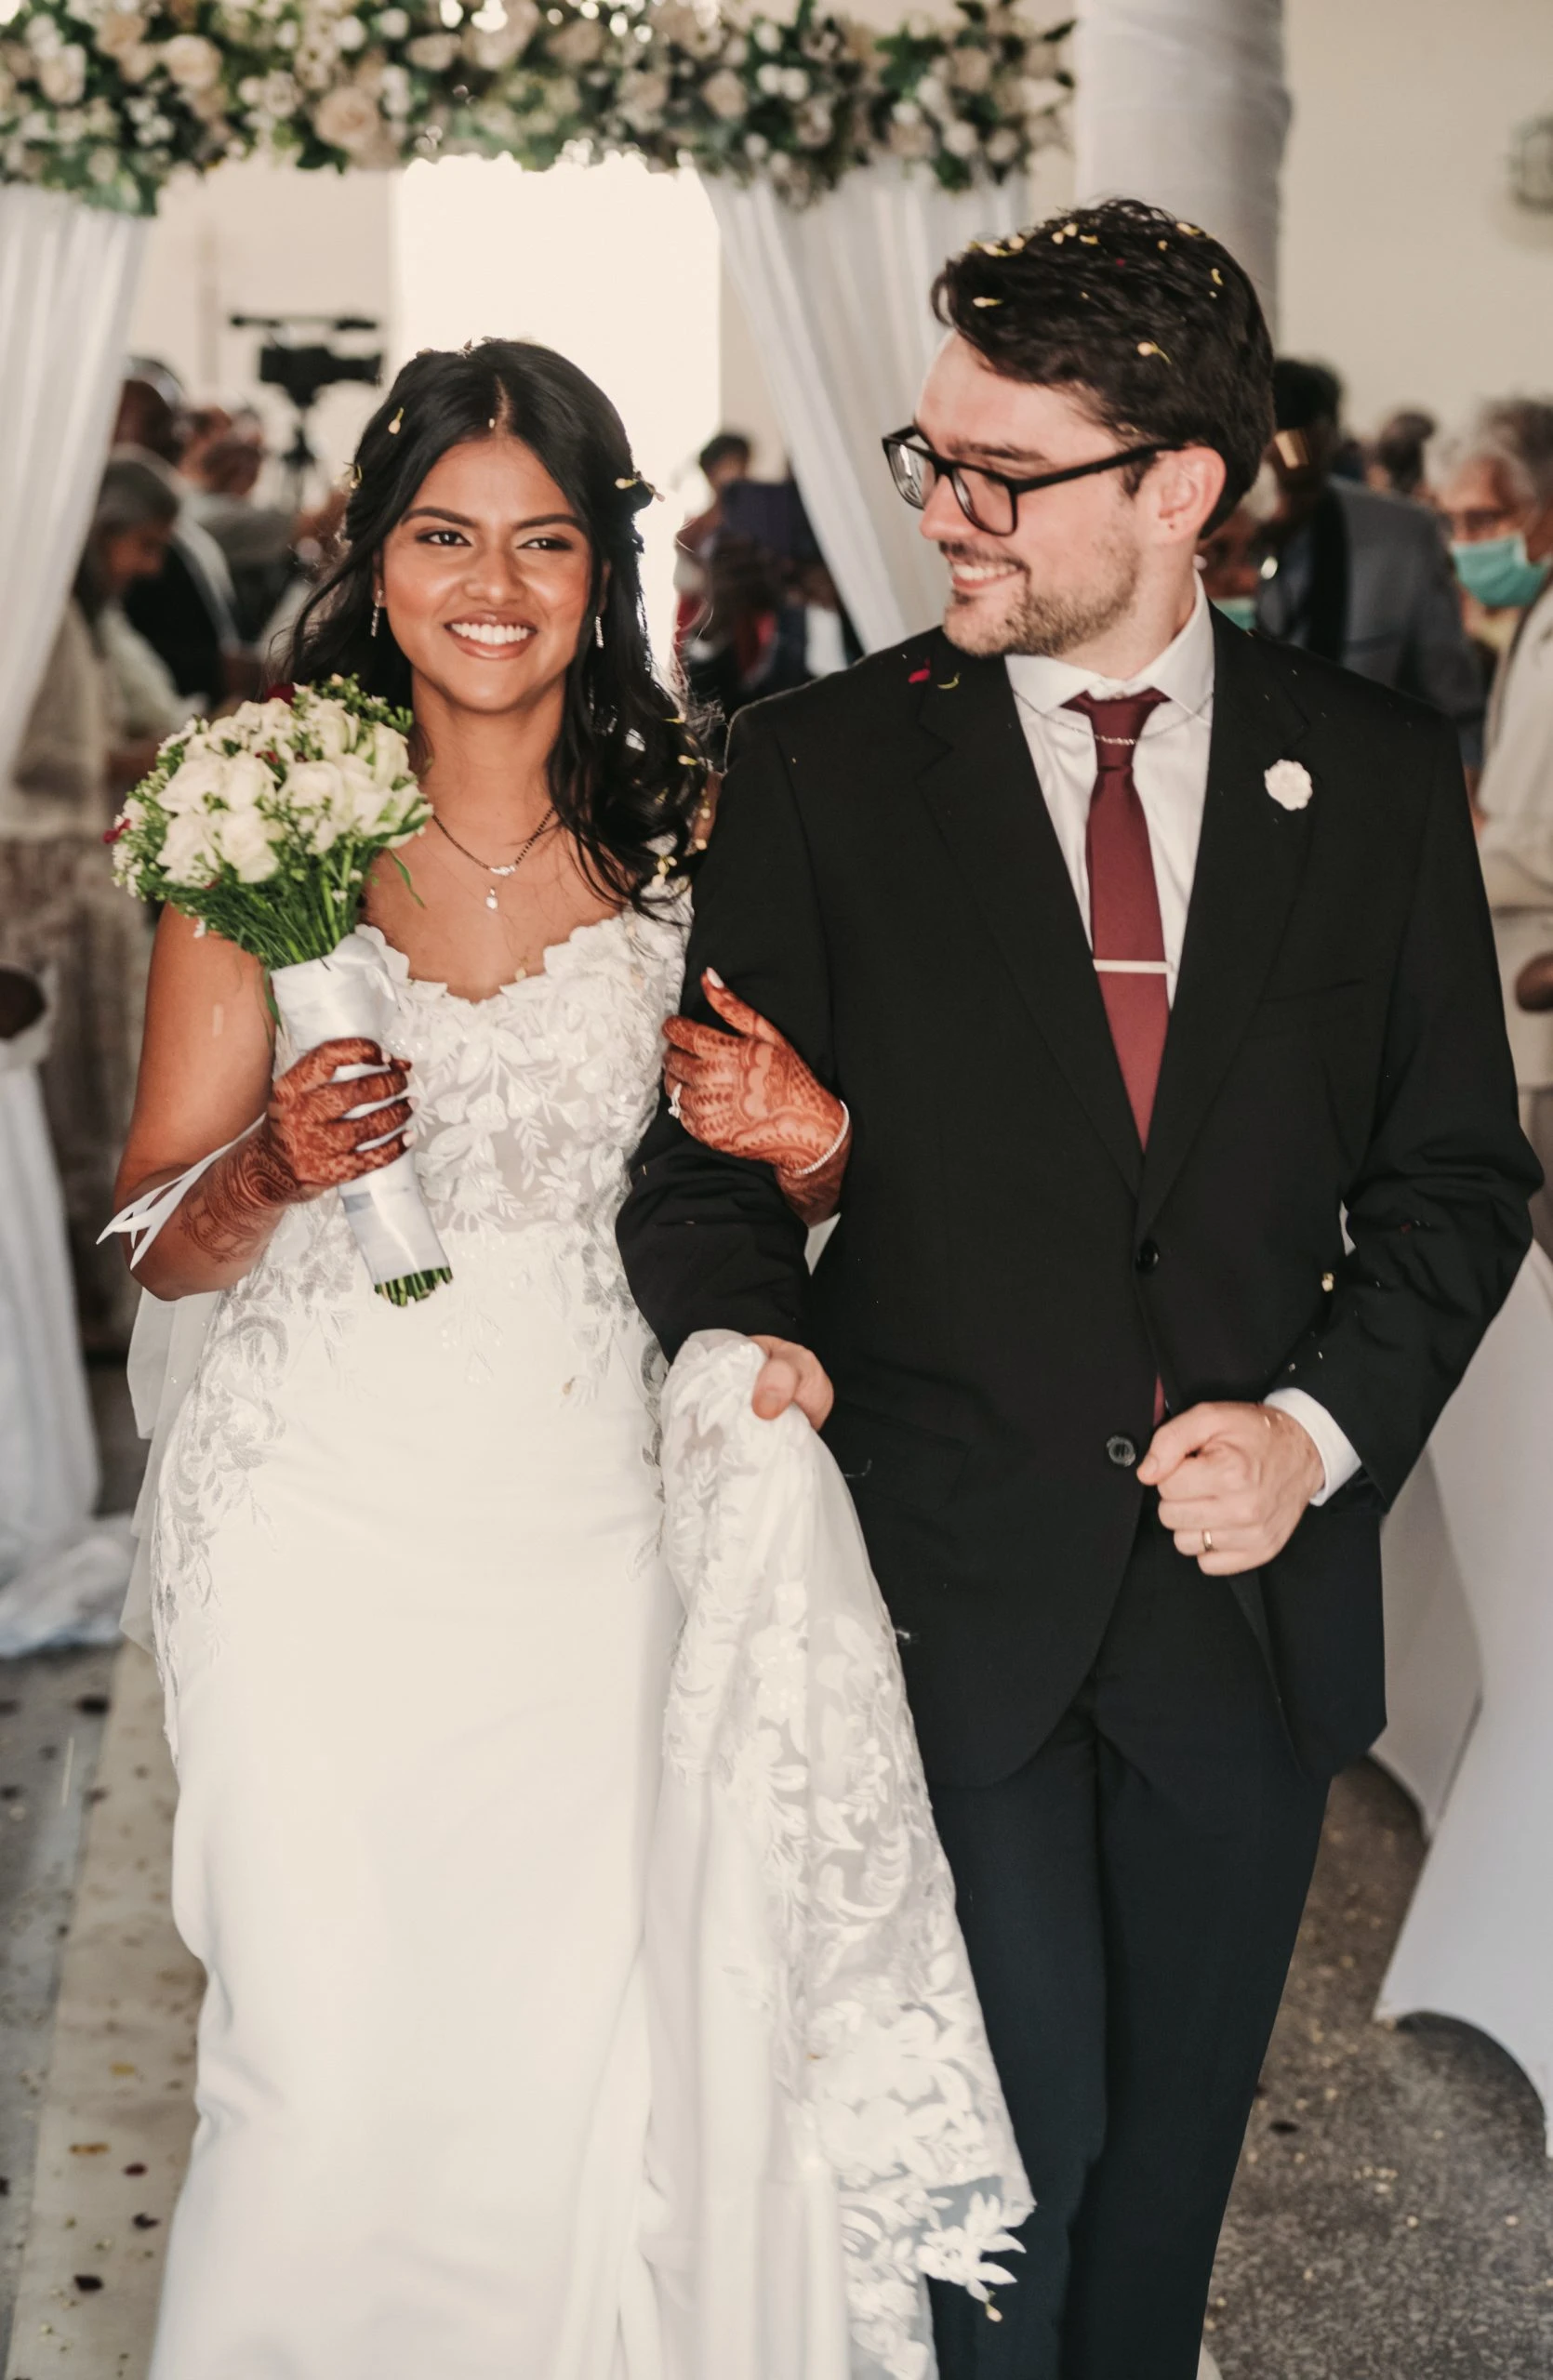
(490, 898)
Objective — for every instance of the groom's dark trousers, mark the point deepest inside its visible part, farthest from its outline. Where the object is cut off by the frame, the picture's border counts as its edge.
(1128, 1760)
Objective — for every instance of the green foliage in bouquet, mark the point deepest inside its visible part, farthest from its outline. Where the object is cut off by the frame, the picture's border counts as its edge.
(263, 825)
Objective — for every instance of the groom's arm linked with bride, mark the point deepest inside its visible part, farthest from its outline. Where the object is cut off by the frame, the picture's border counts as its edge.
(1078, 1252)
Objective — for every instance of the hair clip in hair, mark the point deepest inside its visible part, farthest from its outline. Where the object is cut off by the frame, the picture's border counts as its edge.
(986, 301)
(355, 477)
(397, 423)
(1146, 347)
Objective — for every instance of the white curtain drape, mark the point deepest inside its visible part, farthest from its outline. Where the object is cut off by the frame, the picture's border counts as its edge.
(67, 280)
(837, 295)
(1183, 103)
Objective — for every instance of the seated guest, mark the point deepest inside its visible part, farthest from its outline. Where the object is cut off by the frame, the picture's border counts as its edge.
(1360, 577)
(1493, 482)
(62, 916)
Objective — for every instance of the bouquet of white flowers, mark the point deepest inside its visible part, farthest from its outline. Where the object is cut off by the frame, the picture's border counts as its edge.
(263, 825)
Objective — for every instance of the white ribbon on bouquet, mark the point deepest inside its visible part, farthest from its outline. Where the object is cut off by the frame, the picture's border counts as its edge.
(348, 995)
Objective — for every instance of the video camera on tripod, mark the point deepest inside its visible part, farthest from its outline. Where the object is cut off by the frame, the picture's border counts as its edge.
(304, 371)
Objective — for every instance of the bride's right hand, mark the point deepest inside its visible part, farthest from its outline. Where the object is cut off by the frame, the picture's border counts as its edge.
(309, 1141)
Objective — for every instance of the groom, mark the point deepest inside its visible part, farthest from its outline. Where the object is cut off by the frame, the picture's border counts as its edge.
(1145, 955)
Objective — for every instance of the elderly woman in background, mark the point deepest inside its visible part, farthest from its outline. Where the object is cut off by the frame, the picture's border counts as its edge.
(1493, 480)
(103, 708)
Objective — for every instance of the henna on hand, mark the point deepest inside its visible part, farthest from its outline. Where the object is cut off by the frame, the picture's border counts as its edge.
(748, 1093)
(306, 1144)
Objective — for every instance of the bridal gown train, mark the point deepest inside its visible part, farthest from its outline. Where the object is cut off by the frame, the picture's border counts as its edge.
(416, 1629)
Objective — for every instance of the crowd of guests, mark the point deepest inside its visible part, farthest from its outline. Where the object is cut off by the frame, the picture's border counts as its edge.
(181, 587)
(1421, 557)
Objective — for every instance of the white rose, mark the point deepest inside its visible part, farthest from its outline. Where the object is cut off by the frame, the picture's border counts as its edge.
(962, 140)
(1003, 147)
(644, 98)
(910, 138)
(193, 62)
(186, 850)
(316, 785)
(243, 839)
(494, 46)
(121, 29)
(245, 782)
(391, 755)
(795, 83)
(815, 124)
(933, 99)
(199, 774)
(62, 77)
(434, 53)
(348, 118)
(725, 94)
(393, 24)
(578, 44)
(331, 727)
(769, 80)
(768, 36)
(350, 33)
(970, 69)
(365, 798)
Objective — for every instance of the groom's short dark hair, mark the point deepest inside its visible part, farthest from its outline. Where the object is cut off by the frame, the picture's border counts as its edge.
(1151, 318)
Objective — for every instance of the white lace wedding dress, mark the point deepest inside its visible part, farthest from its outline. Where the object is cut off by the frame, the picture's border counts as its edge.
(416, 1629)
(412, 1608)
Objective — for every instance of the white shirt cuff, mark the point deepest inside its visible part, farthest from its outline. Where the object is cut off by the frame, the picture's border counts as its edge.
(1338, 1457)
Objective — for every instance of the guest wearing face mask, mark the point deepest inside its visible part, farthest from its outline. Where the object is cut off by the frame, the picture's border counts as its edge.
(1493, 480)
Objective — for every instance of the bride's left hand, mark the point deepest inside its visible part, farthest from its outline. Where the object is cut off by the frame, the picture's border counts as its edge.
(746, 1092)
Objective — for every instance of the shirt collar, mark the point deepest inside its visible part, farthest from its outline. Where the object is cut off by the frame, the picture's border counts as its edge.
(1183, 672)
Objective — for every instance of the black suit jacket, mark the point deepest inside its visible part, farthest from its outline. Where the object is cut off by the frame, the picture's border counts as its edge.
(1011, 1271)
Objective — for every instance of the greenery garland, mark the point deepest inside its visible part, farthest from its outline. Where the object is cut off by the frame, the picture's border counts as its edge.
(107, 99)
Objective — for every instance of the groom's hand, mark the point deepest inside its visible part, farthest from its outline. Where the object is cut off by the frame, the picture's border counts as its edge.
(1234, 1481)
(791, 1376)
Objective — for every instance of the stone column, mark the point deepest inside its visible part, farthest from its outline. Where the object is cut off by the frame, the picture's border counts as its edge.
(1183, 103)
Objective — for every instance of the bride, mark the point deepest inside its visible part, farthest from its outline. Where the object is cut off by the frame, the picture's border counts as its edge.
(410, 1602)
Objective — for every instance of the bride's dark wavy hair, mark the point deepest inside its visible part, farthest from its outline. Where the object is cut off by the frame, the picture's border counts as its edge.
(627, 777)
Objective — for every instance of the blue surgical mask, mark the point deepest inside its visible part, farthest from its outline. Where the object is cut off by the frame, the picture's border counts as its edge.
(1500, 573)
(1239, 610)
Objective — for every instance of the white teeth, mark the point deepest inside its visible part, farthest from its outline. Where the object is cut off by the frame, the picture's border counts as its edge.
(490, 631)
(971, 574)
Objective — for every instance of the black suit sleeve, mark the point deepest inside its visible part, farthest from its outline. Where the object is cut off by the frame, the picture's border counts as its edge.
(1438, 1214)
(709, 1242)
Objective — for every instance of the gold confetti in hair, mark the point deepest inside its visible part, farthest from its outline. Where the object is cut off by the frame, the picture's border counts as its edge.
(396, 425)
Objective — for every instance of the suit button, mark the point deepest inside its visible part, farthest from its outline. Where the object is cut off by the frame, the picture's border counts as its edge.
(1123, 1452)
(1147, 1256)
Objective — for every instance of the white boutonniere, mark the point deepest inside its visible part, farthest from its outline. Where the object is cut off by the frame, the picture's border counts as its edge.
(1289, 783)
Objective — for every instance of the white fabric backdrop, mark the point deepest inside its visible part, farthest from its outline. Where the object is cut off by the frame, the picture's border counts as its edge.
(61, 1575)
(1183, 103)
(837, 295)
(67, 280)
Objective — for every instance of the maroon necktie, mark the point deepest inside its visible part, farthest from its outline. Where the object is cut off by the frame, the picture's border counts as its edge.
(1127, 937)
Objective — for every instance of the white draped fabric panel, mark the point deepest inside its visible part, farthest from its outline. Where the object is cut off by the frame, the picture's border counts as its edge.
(67, 280)
(1183, 103)
(837, 295)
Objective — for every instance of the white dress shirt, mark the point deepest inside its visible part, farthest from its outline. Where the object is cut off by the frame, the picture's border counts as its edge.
(1170, 769)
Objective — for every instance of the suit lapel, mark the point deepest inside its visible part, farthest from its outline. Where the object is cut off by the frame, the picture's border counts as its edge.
(980, 786)
(1249, 861)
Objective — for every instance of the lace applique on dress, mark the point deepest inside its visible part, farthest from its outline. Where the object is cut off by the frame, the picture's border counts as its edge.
(792, 1769)
(529, 1108)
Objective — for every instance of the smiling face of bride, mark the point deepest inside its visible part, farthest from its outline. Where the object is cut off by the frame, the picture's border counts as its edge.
(488, 580)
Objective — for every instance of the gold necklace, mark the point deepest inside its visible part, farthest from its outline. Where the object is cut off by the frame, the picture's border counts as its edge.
(509, 867)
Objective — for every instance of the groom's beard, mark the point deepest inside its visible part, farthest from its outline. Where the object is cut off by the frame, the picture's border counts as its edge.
(1023, 618)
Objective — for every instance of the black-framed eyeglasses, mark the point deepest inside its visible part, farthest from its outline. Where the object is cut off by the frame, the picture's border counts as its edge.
(988, 499)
